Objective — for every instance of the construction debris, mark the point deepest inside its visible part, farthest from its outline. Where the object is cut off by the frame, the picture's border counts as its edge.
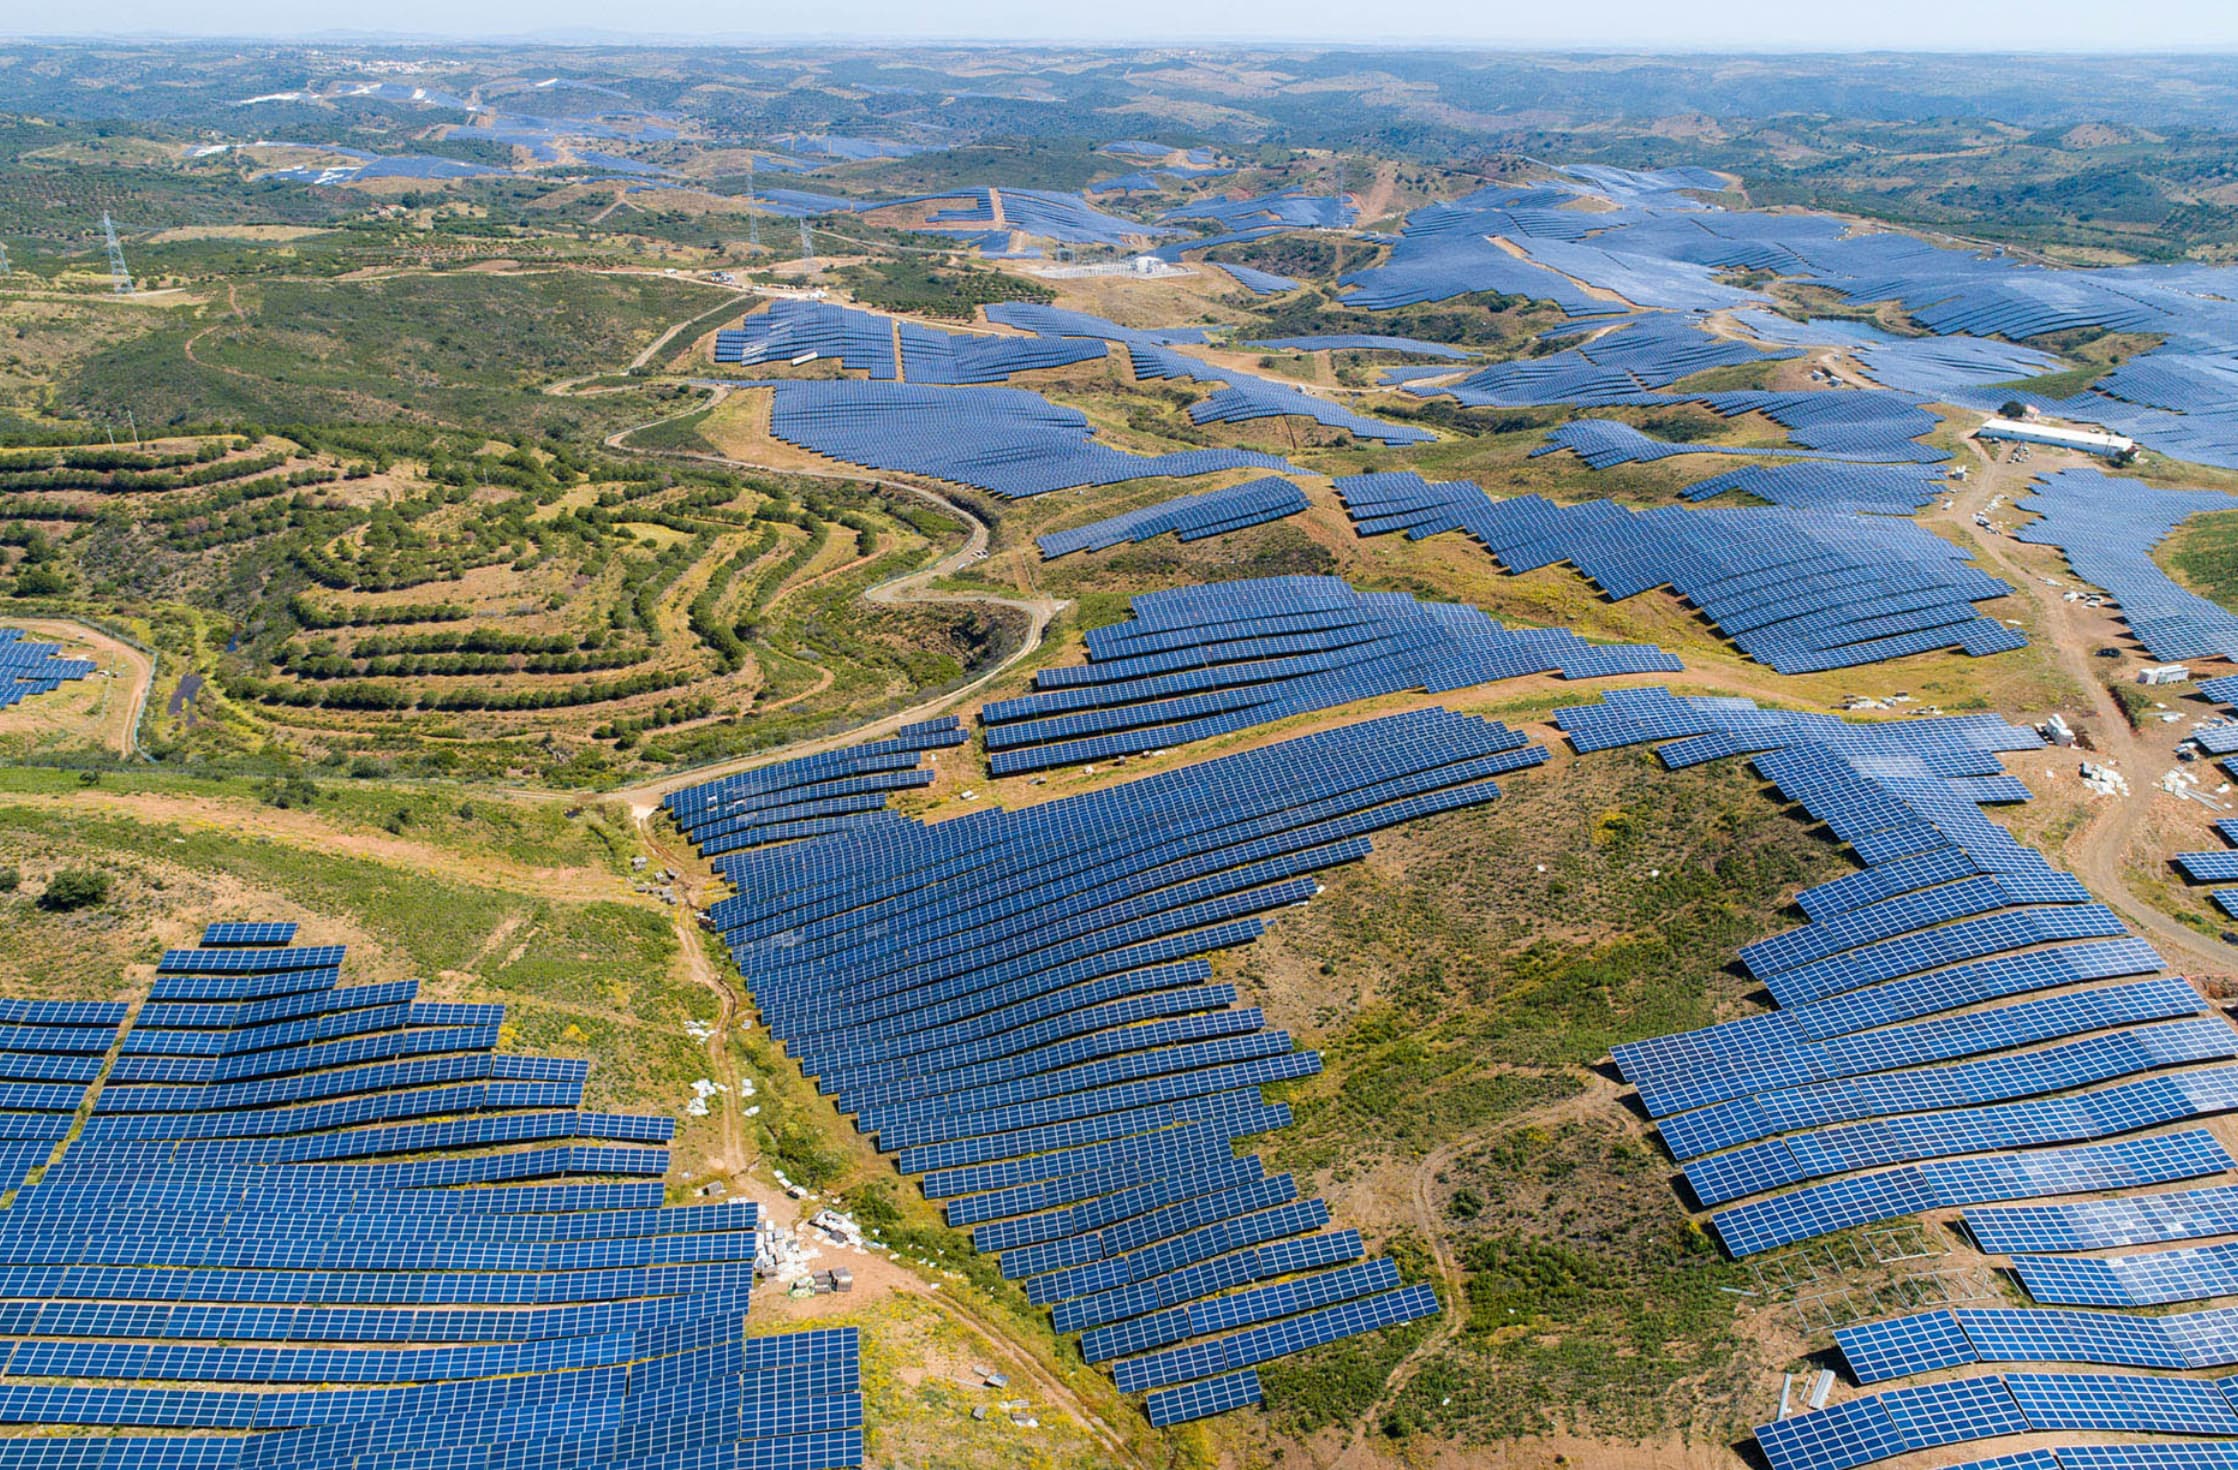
(780, 1255)
(840, 1227)
(2104, 780)
(703, 1095)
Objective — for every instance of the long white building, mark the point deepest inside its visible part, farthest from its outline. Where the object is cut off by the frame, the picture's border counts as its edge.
(2089, 441)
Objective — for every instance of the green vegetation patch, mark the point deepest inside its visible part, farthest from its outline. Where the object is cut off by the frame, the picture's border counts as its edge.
(1594, 1304)
(2203, 555)
(912, 283)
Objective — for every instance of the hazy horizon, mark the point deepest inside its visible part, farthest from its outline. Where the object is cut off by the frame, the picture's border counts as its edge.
(1920, 26)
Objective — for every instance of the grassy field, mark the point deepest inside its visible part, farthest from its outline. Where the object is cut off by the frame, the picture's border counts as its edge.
(513, 903)
(454, 347)
(2203, 555)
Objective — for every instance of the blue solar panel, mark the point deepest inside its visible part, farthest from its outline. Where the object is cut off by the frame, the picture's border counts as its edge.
(2107, 530)
(28, 668)
(221, 934)
(1203, 1399)
(1014, 1005)
(1203, 661)
(1006, 441)
(1189, 517)
(1799, 590)
(199, 1261)
(1904, 1346)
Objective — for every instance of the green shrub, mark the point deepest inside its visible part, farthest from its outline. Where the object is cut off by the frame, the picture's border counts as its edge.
(75, 888)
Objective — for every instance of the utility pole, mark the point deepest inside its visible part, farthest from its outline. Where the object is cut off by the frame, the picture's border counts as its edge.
(120, 279)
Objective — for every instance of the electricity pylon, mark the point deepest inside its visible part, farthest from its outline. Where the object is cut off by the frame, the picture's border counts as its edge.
(120, 279)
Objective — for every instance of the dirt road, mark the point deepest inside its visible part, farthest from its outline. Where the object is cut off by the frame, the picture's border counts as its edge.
(2098, 853)
(909, 588)
(133, 671)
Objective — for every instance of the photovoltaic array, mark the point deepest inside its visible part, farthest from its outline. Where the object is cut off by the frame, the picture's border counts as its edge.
(1245, 397)
(1195, 662)
(862, 342)
(1896, 490)
(1258, 282)
(1652, 242)
(2219, 739)
(984, 215)
(34, 668)
(2107, 529)
(1020, 1007)
(1289, 208)
(1615, 364)
(1366, 342)
(1005, 441)
(929, 355)
(792, 328)
(1636, 362)
(1958, 1026)
(313, 1225)
(1188, 517)
(1930, 1416)
(1799, 590)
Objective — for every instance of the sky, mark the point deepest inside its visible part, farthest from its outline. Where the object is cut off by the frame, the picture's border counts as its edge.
(1778, 25)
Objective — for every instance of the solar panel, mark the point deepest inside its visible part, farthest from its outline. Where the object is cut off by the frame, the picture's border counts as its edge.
(202, 1262)
(1015, 1004)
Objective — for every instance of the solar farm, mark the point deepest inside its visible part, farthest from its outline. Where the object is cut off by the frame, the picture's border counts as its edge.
(1023, 758)
(261, 1216)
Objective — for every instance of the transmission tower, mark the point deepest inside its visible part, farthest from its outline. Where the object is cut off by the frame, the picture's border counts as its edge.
(753, 220)
(5, 268)
(807, 247)
(120, 279)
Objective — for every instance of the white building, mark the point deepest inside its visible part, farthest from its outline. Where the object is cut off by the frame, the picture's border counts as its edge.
(2088, 441)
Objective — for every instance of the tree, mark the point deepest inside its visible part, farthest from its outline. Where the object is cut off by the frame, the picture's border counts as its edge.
(41, 581)
(75, 888)
(2012, 408)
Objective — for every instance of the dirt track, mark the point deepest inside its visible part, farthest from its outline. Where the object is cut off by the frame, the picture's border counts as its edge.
(2098, 853)
(119, 725)
(909, 588)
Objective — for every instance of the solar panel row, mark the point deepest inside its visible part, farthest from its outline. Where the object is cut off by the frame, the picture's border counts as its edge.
(197, 1262)
(28, 668)
(1188, 517)
(1649, 241)
(1929, 1416)
(1201, 661)
(1798, 590)
(1016, 1004)
(1950, 1338)
(1882, 1052)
